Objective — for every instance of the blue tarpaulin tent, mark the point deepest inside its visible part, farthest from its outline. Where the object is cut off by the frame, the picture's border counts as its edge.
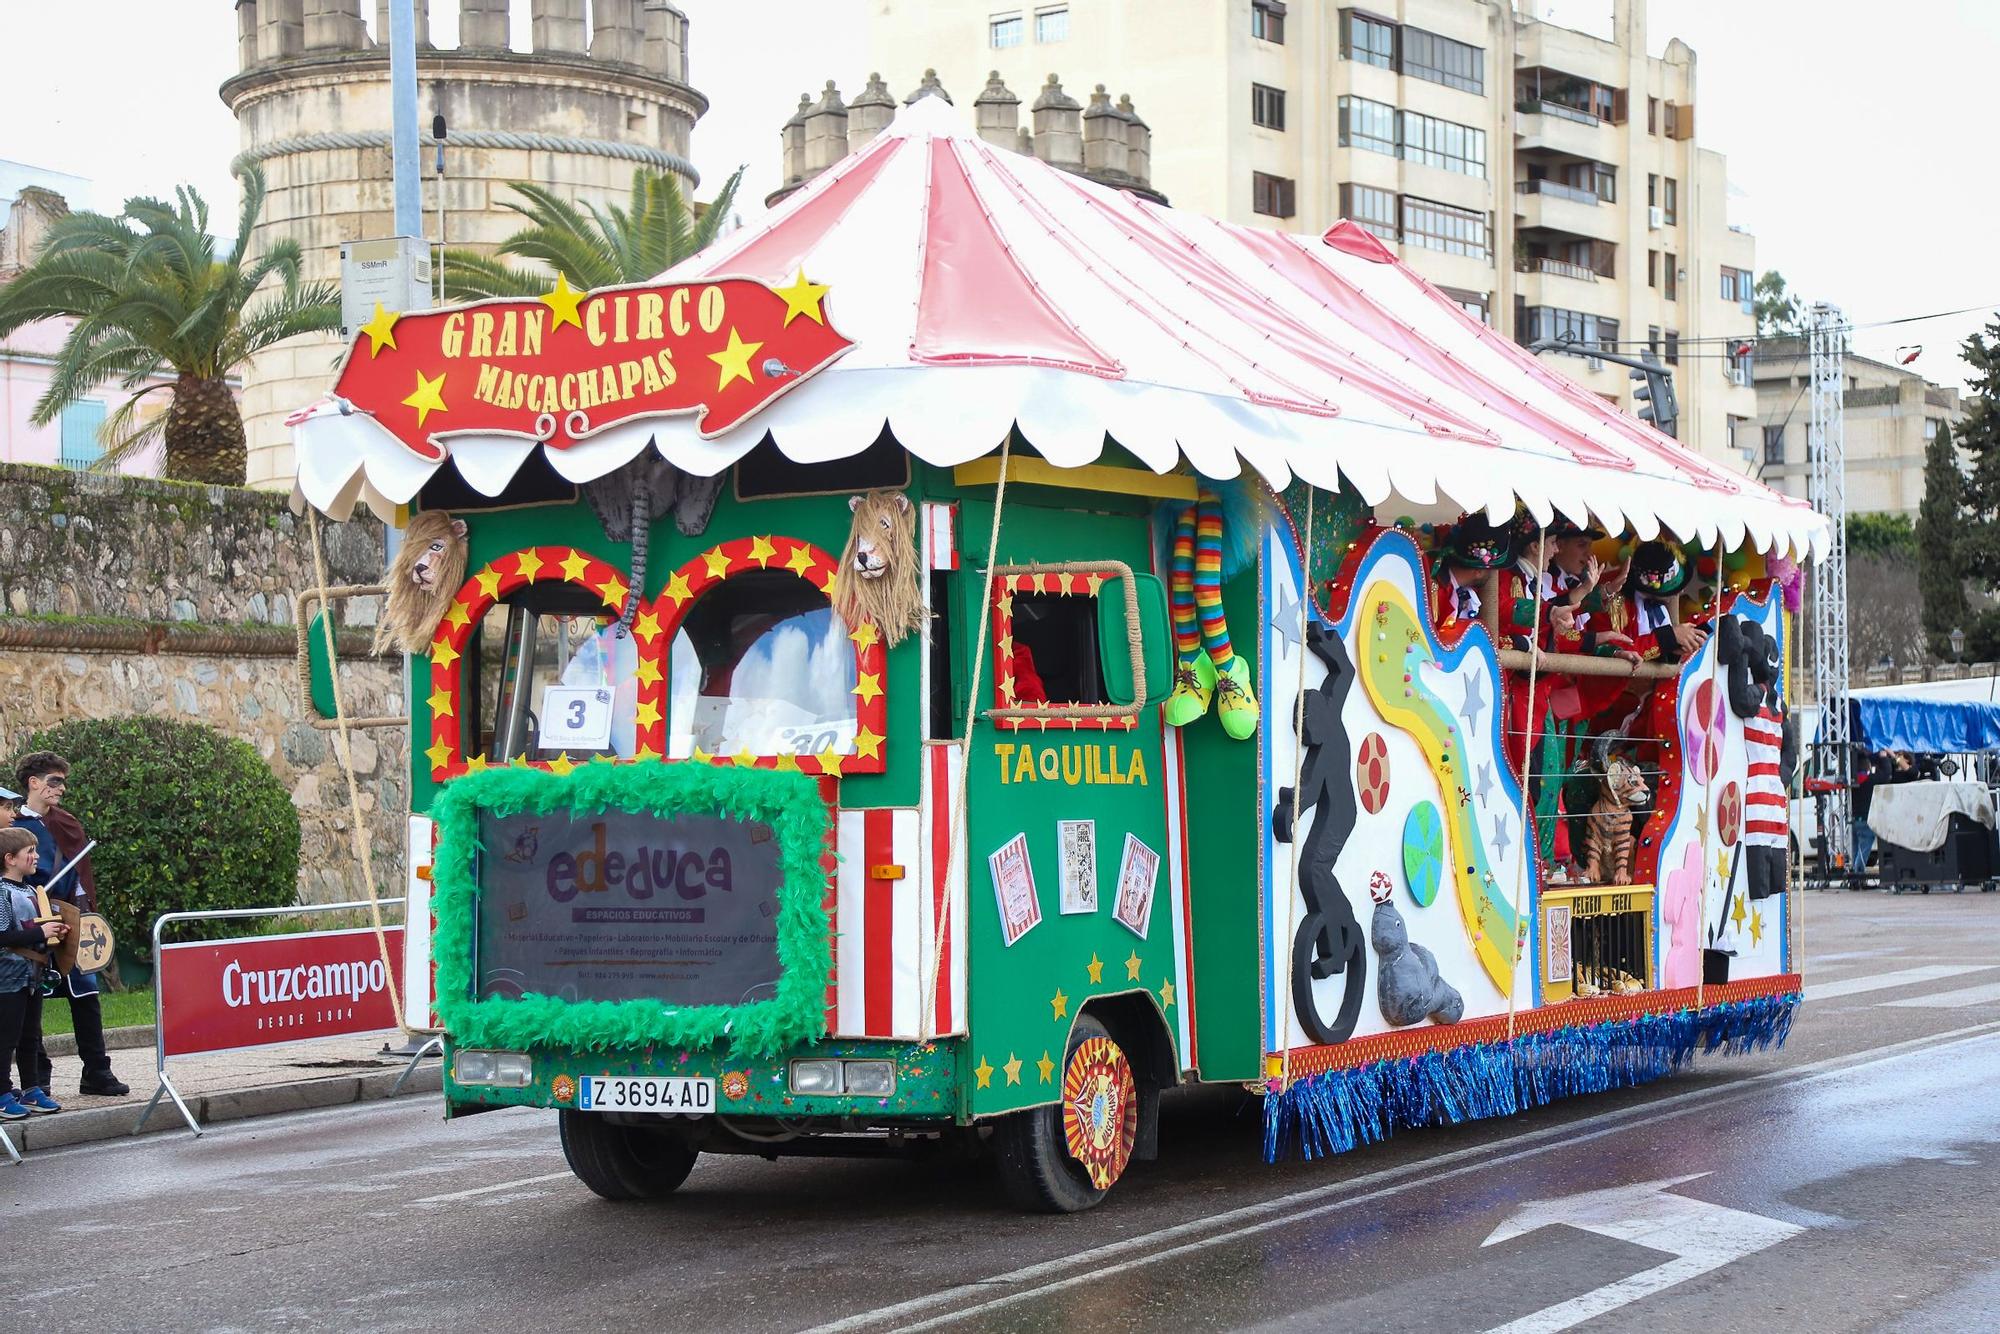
(1924, 726)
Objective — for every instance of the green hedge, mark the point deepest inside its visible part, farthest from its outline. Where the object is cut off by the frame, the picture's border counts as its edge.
(185, 818)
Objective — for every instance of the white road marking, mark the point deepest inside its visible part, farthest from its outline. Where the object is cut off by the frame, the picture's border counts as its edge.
(1699, 1235)
(488, 1190)
(1472, 1159)
(1952, 1000)
(1902, 977)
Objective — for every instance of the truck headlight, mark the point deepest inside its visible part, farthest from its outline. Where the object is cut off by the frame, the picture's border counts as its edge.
(873, 1079)
(507, 1069)
(816, 1077)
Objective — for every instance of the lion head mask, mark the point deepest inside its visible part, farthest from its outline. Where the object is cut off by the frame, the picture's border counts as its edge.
(423, 579)
(879, 579)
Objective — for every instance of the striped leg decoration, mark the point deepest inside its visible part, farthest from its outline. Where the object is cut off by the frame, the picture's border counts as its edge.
(1236, 705)
(1194, 674)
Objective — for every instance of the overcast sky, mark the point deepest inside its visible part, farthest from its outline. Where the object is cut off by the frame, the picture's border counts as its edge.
(1857, 137)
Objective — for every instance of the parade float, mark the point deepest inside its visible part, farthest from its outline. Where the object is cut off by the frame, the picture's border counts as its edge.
(975, 650)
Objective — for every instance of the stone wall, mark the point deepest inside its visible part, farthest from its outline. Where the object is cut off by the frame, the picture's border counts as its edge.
(87, 558)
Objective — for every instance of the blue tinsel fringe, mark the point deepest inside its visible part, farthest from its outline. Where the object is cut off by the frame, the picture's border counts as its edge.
(1341, 1109)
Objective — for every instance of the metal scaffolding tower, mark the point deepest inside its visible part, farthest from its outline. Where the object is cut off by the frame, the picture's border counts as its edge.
(1826, 451)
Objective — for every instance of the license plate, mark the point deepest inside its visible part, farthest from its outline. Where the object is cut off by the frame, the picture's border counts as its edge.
(631, 1093)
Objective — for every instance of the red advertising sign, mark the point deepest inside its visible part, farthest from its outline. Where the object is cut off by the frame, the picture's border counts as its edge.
(569, 364)
(260, 990)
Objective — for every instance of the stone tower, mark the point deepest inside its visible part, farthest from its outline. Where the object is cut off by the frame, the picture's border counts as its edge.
(600, 93)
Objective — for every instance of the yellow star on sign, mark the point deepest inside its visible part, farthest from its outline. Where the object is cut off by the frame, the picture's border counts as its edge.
(761, 551)
(984, 1072)
(381, 331)
(677, 589)
(646, 626)
(527, 564)
(734, 360)
(1060, 1004)
(717, 563)
(563, 301)
(443, 654)
(1132, 967)
(1167, 992)
(1047, 1067)
(647, 714)
(1013, 1068)
(649, 672)
(799, 561)
(1095, 967)
(438, 755)
(427, 398)
(574, 565)
(869, 688)
(867, 745)
(562, 764)
(613, 592)
(802, 298)
(440, 702)
(488, 580)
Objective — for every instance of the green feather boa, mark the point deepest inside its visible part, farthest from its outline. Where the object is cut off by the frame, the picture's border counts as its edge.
(789, 802)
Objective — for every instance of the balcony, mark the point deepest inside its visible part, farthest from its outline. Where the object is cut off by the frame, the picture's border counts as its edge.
(1560, 268)
(1548, 206)
(1550, 127)
(1535, 106)
(1558, 189)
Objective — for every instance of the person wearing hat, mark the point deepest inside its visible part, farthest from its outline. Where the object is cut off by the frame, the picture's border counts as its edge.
(10, 802)
(1475, 547)
(1660, 573)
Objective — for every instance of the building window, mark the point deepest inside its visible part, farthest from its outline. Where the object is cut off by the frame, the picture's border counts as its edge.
(1267, 21)
(1672, 265)
(1673, 347)
(1533, 323)
(1673, 121)
(1443, 143)
(1271, 195)
(1740, 286)
(1369, 125)
(1930, 429)
(1652, 190)
(81, 422)
(1052, 25)
(1774, 444)
(1370, 41)
(1267, 106)
(1604, 181)
(1742, 362)
(1653, 341)
(1441, 60)
(1479, 305)
(1456, 231)
(1652, 115)
(1372, 208)
(1004, 30)
(1652, 268)
(1670, 200)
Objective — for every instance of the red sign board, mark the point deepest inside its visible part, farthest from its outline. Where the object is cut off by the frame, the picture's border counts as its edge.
(564, 366)
(260, 990)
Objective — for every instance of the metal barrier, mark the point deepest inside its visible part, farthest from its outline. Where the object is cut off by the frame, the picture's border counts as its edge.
(166, 1086)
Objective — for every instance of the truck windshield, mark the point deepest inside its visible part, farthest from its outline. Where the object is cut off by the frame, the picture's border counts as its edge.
(762, 665)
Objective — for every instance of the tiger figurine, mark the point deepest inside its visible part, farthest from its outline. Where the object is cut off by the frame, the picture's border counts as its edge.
(1607, 839)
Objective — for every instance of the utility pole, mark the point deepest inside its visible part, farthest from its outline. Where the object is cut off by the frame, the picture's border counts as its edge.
(1826, 453)
(407, 165)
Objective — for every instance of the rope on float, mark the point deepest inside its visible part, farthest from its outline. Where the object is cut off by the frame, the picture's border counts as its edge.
(1284, 943)
(1532, 844)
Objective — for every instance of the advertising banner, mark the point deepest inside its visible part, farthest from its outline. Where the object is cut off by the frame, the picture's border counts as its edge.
(219, 995)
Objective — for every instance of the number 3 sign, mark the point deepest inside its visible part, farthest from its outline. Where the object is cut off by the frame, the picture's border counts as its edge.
(576, 718)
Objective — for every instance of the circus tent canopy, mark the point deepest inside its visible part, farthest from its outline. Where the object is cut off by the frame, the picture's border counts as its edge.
(985, 289)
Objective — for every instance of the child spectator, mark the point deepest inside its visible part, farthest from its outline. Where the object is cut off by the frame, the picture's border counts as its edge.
(20, 977)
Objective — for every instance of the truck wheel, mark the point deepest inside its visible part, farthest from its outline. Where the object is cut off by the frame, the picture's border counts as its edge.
(622, 1162)
(1037, 1167)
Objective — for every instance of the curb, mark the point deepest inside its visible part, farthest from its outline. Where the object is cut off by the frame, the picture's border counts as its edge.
(108, 1123)
(115, 1039)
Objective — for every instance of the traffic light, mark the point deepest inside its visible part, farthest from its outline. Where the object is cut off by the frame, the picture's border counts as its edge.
(1655, 397)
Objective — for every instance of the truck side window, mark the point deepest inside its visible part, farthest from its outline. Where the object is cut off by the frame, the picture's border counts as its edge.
(523, 645)
(1054, 649)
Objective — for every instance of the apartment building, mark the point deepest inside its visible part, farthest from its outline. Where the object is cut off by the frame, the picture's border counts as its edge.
(1890, 417)
(1548, 179)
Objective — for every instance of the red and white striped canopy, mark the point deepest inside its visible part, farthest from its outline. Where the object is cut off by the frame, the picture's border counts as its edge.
(985, 289)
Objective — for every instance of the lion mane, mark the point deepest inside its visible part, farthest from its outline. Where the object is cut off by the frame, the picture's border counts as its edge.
(423, 579)
(879, 580)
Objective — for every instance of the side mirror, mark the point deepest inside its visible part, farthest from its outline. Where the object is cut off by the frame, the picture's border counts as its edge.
(1120, 609)
(317, 662)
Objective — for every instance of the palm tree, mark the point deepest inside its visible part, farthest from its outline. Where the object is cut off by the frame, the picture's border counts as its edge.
(591, 246)
(150, 297)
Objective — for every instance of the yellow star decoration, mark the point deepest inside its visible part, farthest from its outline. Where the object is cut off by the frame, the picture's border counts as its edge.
(1006, 688)
(743, 759)
(802, 298)
(427, 398)
(677, 589)
(528, 564)
(645, 753)
(562, 764)
(440, 702)
(1739, 912)
(1132, 967)
(867, 744)
(734, 360)
(1004, 604)
(647, 714)
(1060, 1004)
(1096, 583)
(574, 564)
(438, 754)
(1701, 823)
(717, 563)
(488, 580)
(563, 301)
(647, 626)
(828, 761)
(1013, 1068)
(984, 1073)
(699, 756)
(649, 672)
(443, 654)
(1721, 868)
(864, 635)
(477, 764)
(1047, 1068)
(788, 763)
(1095, 968)
(458, 617)
(799, 561)
(381, 331)
(1167, 992)
(1756, 927)
(869, 687)
(761, 551)
(613, 592)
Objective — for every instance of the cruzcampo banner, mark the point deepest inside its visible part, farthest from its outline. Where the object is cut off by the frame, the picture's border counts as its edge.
(567, 365)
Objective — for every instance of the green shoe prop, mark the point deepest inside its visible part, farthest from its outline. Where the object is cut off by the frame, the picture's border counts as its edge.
(1194, 686)
(1235, 705)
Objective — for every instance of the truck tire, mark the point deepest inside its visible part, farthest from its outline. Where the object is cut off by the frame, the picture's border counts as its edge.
(622, 1162)
(1036, 1168)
